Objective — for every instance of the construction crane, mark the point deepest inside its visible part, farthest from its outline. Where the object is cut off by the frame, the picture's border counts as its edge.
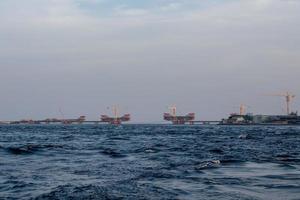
(242, 109)
(288, 98)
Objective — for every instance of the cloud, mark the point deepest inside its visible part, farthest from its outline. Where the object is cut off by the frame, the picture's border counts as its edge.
(171, 7)
(46, 11)
(262, 4)
(68, 55)
(129, 12)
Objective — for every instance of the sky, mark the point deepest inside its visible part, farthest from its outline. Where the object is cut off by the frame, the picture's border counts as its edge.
(204, 56)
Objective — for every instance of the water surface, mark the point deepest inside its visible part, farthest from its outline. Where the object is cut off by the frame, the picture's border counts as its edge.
(149, 162)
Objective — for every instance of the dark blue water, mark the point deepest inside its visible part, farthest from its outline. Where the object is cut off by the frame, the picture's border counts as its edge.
(149, 162)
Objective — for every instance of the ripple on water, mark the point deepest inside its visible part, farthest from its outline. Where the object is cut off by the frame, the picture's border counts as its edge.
(149, 162)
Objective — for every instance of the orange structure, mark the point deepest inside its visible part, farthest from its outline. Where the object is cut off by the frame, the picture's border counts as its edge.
(115, 120)
(175, 119)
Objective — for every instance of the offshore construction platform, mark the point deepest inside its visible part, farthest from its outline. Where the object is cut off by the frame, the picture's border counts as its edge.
(79, 120)
(290, 118)
(241, 118)
(176, 119)
(115, 119)
(105, 119)
(184, 119)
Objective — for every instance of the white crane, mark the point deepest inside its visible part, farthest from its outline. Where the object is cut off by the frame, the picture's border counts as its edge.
(288, 98)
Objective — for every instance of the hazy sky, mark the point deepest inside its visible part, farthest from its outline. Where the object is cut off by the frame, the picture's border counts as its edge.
(205, 56)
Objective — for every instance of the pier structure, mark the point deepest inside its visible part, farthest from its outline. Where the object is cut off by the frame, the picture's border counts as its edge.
(79, 120)
(205, 122)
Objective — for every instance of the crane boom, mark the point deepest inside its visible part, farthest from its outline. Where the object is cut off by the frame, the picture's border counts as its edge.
(288, 98)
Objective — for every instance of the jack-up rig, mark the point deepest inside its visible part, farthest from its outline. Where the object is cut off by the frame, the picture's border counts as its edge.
(115, 120)
(176, 119)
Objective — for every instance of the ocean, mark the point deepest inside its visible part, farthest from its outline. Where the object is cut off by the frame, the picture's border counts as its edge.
(149, 162)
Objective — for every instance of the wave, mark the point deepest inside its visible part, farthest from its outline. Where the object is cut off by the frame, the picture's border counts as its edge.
(124, 190)
(216, 151)
(208, 165)
(29, 148)
(245, 136)
(112, 153)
